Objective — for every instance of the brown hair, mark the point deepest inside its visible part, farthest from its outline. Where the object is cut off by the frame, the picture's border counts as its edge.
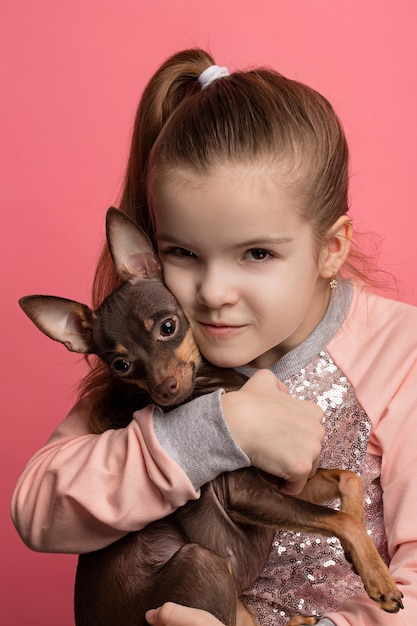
(244, 117)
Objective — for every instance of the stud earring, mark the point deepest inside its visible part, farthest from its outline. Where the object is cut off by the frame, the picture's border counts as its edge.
(333, 281)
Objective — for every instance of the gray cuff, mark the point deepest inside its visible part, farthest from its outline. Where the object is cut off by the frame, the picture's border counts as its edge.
(325, 621)
(196, 436)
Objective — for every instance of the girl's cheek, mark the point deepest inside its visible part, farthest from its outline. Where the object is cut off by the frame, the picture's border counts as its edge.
(177, 284)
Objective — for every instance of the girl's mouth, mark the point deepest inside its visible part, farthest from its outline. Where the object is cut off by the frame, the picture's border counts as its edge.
(219, 330)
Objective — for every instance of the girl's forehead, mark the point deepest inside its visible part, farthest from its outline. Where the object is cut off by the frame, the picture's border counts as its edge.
(257, 178)
(240, 202)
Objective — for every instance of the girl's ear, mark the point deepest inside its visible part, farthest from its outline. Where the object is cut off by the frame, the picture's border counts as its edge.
(336, 249)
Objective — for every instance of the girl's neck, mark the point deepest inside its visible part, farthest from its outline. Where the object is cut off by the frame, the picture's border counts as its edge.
(298, 357)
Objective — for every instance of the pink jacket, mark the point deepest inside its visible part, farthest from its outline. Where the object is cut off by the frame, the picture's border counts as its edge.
(55, 505)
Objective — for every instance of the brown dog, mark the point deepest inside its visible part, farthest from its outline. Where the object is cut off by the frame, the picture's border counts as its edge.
(207, 552)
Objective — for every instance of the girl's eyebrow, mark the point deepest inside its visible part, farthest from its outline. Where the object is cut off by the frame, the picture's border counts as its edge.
(264, 241)
(250, 243)
(170, 240)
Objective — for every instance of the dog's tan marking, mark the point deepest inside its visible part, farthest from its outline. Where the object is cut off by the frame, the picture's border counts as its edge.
(121, 349)
(149, 324)
(188, 350)
(139, 383)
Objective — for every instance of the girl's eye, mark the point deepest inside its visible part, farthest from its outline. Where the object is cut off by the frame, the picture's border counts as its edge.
(168, 327)
(181, 252)
(121, 366)
(258, 254)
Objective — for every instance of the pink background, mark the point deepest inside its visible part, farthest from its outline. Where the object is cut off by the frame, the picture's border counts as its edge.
(72, 73)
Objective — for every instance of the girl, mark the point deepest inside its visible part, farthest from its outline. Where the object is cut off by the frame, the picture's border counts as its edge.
(241, 182)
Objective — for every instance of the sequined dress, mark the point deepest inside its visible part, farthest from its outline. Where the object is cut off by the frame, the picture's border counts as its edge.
(307, 573)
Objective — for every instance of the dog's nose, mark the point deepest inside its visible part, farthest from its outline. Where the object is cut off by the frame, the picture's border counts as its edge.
(168, 388)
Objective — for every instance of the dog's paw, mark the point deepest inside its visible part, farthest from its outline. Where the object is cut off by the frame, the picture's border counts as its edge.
(390, 602)
(386, 593)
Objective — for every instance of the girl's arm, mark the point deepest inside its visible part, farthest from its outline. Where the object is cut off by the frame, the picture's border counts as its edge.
(81, 491)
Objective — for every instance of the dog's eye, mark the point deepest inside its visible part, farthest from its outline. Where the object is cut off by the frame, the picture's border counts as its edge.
(121, 366)
(168, 327)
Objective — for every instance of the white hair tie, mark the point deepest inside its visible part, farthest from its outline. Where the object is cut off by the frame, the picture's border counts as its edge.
(211, 74)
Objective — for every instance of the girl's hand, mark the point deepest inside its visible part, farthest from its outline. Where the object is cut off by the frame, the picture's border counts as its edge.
(170, 614)
(280, 434)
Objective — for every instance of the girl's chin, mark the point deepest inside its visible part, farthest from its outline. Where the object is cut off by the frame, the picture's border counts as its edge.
(226, 361)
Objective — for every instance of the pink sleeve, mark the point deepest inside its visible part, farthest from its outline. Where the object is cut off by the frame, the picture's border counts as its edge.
(75, 496)
(380, 360)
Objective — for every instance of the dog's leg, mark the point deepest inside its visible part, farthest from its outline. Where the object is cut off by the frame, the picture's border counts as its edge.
(243, 617)
(114, 589)
(301, 620)
(199, 578)
(329, 484)
(253, 500)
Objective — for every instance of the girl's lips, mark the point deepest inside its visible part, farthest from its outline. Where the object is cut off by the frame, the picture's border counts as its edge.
(219, 330)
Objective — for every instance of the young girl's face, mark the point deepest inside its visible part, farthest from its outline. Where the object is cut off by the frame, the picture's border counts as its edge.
(240, 260)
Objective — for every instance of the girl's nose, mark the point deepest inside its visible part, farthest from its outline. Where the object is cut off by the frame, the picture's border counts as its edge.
(217, 288)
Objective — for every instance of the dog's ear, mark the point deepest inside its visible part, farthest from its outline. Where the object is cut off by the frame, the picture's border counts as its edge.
(133, 255)
(66, 321)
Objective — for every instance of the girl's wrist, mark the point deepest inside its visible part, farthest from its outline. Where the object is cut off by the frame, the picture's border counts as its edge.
(196, 436)
(234, 418)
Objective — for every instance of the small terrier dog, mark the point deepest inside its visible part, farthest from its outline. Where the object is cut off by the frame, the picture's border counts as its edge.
(207, 552)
